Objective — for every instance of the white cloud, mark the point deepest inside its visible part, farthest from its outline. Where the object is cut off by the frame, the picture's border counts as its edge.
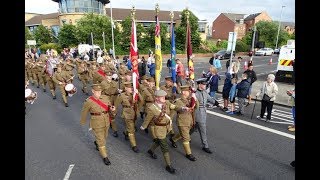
(204, 9)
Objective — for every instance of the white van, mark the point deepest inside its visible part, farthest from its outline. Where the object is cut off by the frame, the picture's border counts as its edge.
(87, 47)
(285, 62)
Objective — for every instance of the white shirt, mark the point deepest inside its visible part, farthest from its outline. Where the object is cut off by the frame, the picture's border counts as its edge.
(100, 59)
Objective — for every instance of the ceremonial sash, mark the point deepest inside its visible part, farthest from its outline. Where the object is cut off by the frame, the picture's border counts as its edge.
(101, 73)
(101, 104)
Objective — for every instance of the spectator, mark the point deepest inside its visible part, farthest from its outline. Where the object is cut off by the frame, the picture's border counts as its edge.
(235, 67)
(217, 63)
(243, 89)
(211, 59)
(252, 77)
(213, 81)
(150, 59)
(292, 95)
(129, 64)
(141, 68)
(152, 68)
(269, 91)
(226, 90)
(232, 95)
(180, 72)
(169, 64)
(100, 60)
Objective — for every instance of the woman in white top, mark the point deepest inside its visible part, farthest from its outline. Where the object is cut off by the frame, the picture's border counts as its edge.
(268, 92)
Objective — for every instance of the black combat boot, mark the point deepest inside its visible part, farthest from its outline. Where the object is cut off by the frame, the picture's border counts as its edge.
(207, 150)
(44, 90)
(152, 154)
(115, 134)
(141, 114)
(135, 149)
(54, 97)
(170, 169)
(106, 161)
(191, 157)
(173, 144)
(95, 143)
(146, 130)
(66, 105)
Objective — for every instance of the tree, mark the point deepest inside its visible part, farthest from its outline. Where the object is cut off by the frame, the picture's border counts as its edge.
(42, 35)
(27, 35)
(165, 37)
(97, 24)
(268, 33)
(67, 36)
(181, 32)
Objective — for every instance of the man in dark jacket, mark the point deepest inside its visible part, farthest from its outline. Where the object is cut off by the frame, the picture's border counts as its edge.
(142, 67)
(252, 77)
(243, 89)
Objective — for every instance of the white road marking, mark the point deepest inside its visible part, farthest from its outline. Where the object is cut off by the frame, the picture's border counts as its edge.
(283, 111)
(282, 115)
(277, 122)
(253, 125)
(275, 117)
(66, 177)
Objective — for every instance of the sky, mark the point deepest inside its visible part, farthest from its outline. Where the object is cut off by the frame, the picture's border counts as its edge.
(203, 9)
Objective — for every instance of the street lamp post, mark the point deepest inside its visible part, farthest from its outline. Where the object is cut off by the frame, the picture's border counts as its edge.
(279, 27)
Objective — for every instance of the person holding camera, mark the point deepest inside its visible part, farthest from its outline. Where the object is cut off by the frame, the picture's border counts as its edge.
(269, 91)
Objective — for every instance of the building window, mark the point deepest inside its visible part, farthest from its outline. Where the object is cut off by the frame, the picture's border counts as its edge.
(63, 21)
(55, 30)
(202, 27)
(84, 6)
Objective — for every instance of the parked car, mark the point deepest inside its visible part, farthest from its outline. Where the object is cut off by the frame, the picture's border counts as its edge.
(264, 52)
(276, 51)
(224, 54)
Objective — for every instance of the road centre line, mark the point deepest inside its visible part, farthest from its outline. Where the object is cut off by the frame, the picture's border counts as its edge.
(66, 177)
(253, 125)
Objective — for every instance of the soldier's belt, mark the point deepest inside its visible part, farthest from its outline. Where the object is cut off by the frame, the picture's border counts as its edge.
(99, 114)
(202, 106)
(149, 101)
(128, 106)
(161, 124)
(112, 94)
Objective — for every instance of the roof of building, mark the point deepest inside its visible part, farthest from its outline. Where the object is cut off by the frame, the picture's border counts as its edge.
(234, 17)
(251, 16)
(103, 1)
(38, 19)
(285, 24)
(142, 14)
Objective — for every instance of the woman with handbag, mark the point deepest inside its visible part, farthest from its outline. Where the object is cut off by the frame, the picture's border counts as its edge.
(269, 91)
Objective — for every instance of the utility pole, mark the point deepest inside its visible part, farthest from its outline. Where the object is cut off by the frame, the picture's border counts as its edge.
(104, 43)
(253, 39)
(231, 55)
(279, 27)
(92, 45)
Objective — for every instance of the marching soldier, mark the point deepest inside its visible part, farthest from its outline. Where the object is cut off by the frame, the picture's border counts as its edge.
(144, 84)
(101, 110)
(122, 70)
(159, 113)
(129, 109)
(184, 121)
(110, 89)
(78, 64)
(68, 67)
(29, 70)
(127, 78)
(42, 75)
(99, 75)
(92, 69)
(147, 100)
(110, 66)
(83, 72)
(201, 115)
(170, 95)
(61, 78)
(48, 76)
(35, 73)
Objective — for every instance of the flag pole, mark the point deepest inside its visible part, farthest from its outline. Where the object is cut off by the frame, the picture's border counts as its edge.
(158, 56)
(189, 50)
(173, 55)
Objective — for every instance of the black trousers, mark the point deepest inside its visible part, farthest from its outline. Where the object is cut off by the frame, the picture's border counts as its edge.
(268, 105)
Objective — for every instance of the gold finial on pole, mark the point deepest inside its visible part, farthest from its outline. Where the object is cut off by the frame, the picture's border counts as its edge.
(133, 11)
(187, 13)
(157, 9)
(171, 15)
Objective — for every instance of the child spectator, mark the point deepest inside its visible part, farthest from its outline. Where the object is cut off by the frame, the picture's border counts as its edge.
(226, 90)
(232, 95)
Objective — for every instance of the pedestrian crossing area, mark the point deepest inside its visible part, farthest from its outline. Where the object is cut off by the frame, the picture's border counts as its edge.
(277, 116)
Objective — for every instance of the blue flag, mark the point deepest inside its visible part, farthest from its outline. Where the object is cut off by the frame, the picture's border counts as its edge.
(173, 58)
